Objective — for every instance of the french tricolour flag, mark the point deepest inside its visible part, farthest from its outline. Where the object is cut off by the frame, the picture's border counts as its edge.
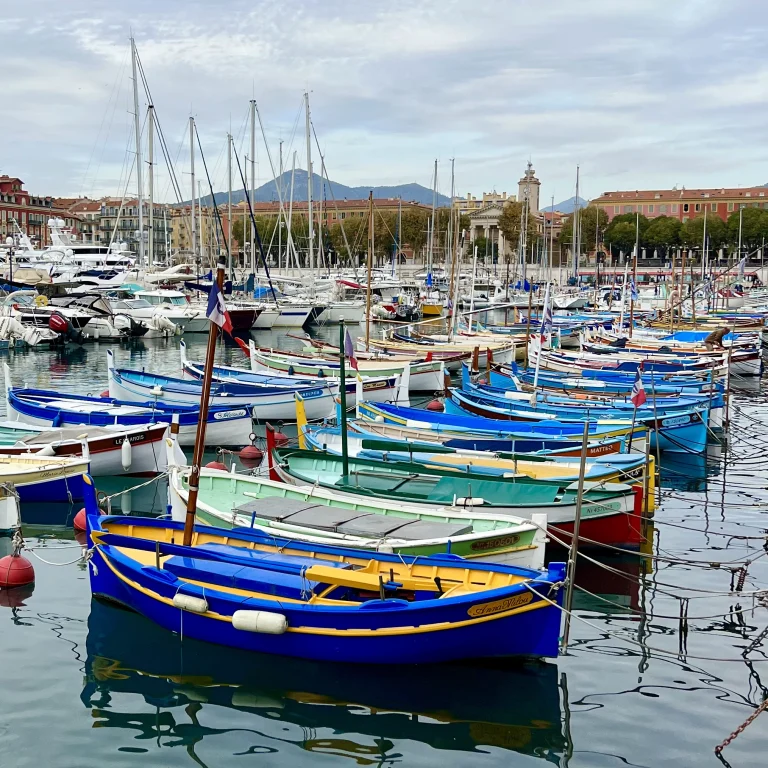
(217, 309)
(638, 391)
(349, 350)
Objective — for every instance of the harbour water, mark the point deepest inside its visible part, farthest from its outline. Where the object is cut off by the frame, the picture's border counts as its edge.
(89, 685)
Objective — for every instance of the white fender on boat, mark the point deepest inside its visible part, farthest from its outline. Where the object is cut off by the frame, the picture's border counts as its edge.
(359, 394)
(404, 386)
(126, 454)
(540, 539)
(7, 378)
(190, 603)
(84, 443)
(46, 450)
(183, 354)
(252, 350)
(110, 362)
(265, 622)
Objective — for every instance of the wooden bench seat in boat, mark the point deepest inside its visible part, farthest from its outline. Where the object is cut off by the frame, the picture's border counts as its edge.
(269, 582)
(352, 522)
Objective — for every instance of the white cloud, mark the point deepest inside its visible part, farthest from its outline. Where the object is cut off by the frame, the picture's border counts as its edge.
(640, 95)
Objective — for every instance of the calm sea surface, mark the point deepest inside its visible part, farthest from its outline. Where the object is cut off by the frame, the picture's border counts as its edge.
(87, 685)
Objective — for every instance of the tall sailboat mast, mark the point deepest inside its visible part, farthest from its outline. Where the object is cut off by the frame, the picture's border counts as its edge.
(576, 233)
(309, 186)
(194, 188)
(151, 140)
(229, 201)
(430, 255)
(139, 161)
(253, 183)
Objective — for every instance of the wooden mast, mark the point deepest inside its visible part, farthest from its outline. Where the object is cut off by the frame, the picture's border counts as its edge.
(205, 395)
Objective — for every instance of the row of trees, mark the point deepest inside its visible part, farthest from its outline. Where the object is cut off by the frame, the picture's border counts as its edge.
(351, 234)
(665, 233)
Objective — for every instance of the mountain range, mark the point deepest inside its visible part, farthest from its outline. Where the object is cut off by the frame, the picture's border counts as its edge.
(326, 189)
(567, 206)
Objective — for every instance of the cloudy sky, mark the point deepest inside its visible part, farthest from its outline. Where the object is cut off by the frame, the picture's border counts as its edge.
(639, 95)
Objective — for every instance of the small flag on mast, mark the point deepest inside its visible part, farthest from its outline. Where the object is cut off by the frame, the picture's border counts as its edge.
(638, 397)
(217, 309)
(349, 350)
(546, 317)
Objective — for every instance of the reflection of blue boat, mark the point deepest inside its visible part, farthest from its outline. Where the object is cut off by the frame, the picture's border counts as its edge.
(245, 589)
(156, 680)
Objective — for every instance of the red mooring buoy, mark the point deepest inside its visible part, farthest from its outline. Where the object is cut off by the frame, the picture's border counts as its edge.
(105, 393)
(15, 571)
(435, 405)
(251, 453)
(281, 439)
(79, 522)
(216, 465)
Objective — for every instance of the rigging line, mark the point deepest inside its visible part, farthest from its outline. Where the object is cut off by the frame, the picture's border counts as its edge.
(115, 92)
(632, 641)
(324, 171)
(645, 614)
(210, 187)
(702, 564)
(255, 228)
(160, 133)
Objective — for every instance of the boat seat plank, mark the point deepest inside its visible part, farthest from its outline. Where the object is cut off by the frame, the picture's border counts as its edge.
(275, 508)
(261, 557)
(323, 518)
(423, 529)
(372, 526)
(277, 583)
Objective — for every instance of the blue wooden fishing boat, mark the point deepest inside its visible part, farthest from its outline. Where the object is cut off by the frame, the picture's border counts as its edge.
(243, 589)
(682, 429)
(477, 433)
(227, 425)
(272, 398)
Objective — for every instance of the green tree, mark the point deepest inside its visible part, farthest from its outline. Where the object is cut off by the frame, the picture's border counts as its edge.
(692, 232)
(754, 228)
(509, 224)
(593, 221)
(663, 233)
(621, 233)
(621, 237)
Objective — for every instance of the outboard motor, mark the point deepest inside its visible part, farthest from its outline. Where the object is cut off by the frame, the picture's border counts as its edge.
(61, 325)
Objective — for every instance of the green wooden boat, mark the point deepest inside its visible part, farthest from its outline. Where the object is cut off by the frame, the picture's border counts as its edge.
(610, 512)
(317, 515)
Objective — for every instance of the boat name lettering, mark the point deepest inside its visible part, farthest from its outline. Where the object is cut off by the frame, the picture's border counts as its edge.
(499, 606)
(673, 421)
(222, 415)
(310, 393)
(131, 439)
(502, 541)
(369, 386)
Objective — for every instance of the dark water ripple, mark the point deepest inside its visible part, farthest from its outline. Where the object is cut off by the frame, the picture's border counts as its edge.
(89, 685)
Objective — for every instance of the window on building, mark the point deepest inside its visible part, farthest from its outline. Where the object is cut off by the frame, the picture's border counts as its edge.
(755, 205)
(617, 209)
(713, 207)
(698, 207)
(674, 207)
(650, 209)
(333, 216)
(627, 209)
(685, 218)
(685, 208)
(343, 215)
(730, 207)
(662, 209)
